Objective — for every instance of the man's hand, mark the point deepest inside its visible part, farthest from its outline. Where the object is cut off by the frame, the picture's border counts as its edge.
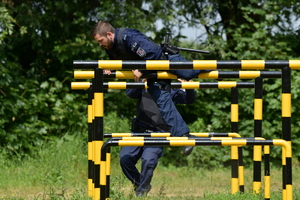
(137, 75)
(182, 80)
(107, 71)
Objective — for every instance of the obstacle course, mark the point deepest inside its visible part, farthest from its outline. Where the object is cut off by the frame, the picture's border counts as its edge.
(99, 167)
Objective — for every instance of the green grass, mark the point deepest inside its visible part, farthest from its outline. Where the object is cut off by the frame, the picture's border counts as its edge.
(59, 171)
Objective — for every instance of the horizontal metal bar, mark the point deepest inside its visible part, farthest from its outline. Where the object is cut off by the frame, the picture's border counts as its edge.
(167, 75)
(195, 64)
(185, 85)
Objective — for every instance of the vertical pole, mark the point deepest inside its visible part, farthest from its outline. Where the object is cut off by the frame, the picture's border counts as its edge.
(98, 129)
(267, 178)
(241, 170)
(90, 142)
(286, 128)
(107, 167)
(257, 149)
(235, 128)
(234, 149)
(93, 140)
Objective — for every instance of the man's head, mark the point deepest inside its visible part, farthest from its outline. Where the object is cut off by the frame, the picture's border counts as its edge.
(104, 33)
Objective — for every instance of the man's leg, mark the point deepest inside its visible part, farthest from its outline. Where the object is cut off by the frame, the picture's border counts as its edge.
(128, 158)
(149, 158)
(168, 110)
(184, 73)
(170, 114)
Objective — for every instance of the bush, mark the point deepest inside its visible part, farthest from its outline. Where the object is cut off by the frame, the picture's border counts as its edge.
(39, 112)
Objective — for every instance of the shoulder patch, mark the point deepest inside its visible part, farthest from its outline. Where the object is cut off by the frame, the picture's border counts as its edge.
(141, 52)
(133, 47)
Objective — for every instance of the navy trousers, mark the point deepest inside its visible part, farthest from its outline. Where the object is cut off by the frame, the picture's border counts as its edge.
(168, 110)
(185, 74)
(162, 98)
(129, 156)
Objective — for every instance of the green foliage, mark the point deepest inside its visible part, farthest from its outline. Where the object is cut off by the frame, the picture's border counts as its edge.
(38, 112)
(116, 189)
(117, 102)
(243, 30)
(40, 39)
(114, 123)
(7, 24)
(59, 171)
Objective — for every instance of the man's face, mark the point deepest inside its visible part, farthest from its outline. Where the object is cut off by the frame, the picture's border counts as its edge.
(105, 42)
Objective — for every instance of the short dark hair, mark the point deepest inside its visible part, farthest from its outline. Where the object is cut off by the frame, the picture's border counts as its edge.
(102, 28)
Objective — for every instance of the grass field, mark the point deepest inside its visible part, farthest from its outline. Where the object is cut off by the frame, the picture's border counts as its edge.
(59, 171)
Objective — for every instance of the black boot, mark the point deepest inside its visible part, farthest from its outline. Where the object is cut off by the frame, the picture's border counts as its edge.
(187, 150)
(143, 193)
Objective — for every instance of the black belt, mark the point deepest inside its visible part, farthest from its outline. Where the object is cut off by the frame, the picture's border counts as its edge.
(151, 81)
(164, 56)
(142, 129)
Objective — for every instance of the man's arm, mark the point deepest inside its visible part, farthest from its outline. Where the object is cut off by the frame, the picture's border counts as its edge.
(135, 93)
(183, 97)
(137, 75)
(180, 96)
(139, 44)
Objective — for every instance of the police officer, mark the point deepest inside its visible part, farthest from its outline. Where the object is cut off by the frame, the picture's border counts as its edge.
(131, 44)
(147, 119)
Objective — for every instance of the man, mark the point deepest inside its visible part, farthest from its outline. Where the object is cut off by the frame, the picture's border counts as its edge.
(147, 119)
(130, 44)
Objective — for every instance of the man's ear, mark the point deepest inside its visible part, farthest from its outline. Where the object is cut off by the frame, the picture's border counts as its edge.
(110, 35)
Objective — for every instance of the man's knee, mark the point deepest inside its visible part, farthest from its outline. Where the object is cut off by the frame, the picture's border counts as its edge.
(127, 160)
(150, 161)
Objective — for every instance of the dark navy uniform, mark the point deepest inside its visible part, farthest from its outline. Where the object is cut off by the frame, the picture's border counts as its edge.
(147, 119)
(130, 44)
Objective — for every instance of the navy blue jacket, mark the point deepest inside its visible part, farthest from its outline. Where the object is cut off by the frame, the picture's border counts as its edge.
(135, 43)
(178, 96)
(148, 115)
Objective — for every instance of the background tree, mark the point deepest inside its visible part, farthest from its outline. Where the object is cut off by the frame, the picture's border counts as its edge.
(40, 39)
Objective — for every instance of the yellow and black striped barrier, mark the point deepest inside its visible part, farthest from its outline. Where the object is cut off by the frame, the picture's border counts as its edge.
(235, 156)
(194, 64)
(181, 141)
(94, 144)
(185, 85)
(285, 66)
(167, 75)
(235, 182)
(166, 134)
